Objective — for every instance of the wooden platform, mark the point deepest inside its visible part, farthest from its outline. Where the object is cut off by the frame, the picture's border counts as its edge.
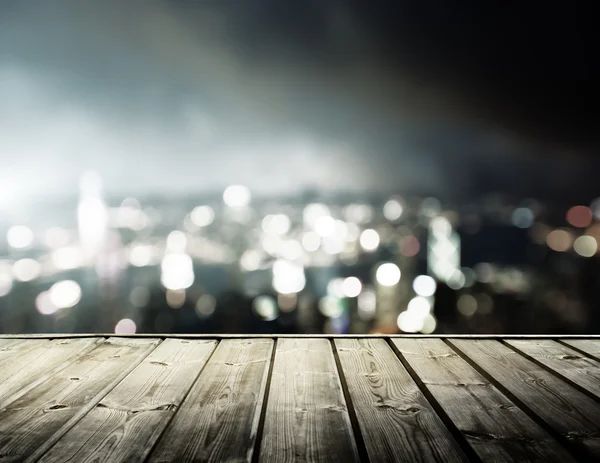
(264, 398)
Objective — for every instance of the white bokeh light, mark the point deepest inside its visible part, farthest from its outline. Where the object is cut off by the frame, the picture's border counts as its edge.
(388, 274)
(369, 240)
(26, 269)
(288, 277)
(202, 216)
(424, 285)
(393, 209)
(65, 294)
(351, 287)
(236, 196)
(125, 326)
(177, 271)
(19, 237)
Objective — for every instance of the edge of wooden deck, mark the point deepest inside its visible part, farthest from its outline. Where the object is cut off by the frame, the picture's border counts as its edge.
(275, 335)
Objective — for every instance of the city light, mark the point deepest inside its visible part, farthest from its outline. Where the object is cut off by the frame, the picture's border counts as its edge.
(351, 287)
(65, 294)
(202, 216)
(26, 270)
(388, 274)
(369, 239)
(424, 285)
(236, 196)
(393, 209)
(177, 271)
(585, 246)
(125, 326)
(288, 277)
(19, 237)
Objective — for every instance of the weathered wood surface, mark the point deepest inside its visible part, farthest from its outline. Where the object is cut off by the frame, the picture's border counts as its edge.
(396, 420)
(126, 423)
(306, 417)
(567, 362)
(29, 422)
(268, 398)
(218, 420)
(569, 411)
(495, 428)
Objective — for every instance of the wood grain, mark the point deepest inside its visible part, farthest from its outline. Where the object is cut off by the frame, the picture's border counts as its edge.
(218, 419)
(569, 363)
(569, 411)
(494, 426)
(28, 423)
(589, 346)
(29, 364)
(306, 417)
(396, 421)
(126, 423)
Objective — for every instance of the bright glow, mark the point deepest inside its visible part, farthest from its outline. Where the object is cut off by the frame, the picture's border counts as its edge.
(139, 296)
(311, 241)
(67, 258)
(177, 271)
(410, 322)
(19, 237)
(340, 231)
(65, 294)
(523, 217)
(351, 287)
(369, 239)
(367, 302)
(57, 237)
(579, 216)
(419, 306)
(141, 255)
(176, 241)
(125, 326)
(429, 324)
(265, 307)
(335, 287)
(440, 226)
(331, 307)
(585, 246)
(358, 213)
(291, 250)
(44, 304)
(175, 298)
(325, 226)
(388, 274)
(6, 284)
(424, 285)
(279, 224)
(393, 209)
(250, 260)
(312, 212)
(456, 280)
(332, 246)
(206, 305)
(93, 221)
(202, 216)
(26, 269)
(409, 246)
(559, 240)
(288, 277)
(236, 196)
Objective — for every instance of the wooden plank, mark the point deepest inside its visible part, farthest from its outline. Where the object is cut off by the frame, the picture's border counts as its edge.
(218, 420)
(125, 425)
(396, 420)
(494, 426)
(17, 350)
(306, 417)
(40, 360)
(570, 412)
(35, 420)
(589, 346)
(582, 370)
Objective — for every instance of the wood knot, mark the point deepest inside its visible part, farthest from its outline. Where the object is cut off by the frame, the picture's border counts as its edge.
(164, 364)
(570, 357)
(56, 407)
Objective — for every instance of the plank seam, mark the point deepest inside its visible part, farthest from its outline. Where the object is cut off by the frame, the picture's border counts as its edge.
(553, 372)
(458, 436)
(363, 455)
(587, 354)
(181, 402)
(59, 434)
(579, 453)
(263, 407)
(70, 361)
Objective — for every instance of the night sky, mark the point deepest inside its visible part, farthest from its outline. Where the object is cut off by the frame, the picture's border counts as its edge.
(448, 98)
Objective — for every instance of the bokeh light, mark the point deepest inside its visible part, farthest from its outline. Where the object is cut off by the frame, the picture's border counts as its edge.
(125, 326)
(559, 240)
(206, 305)
(388, 274)
(585, 246)
(523, 217)
(236, 196)
(288, 277)
(424, 285)
(19, 237)
(393, 209)
(579, 216)
(26, 269)
(265, 307)
(369, 239)
(351, 287)
(65, 294)
(202, 216)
